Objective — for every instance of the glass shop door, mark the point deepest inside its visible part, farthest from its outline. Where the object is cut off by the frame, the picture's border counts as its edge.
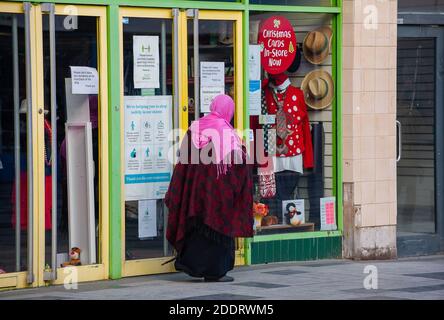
(214, 52)
(18, 259)
(420, 116)
(72, 134)
(161, 50)
(151, 102)
(53, 144)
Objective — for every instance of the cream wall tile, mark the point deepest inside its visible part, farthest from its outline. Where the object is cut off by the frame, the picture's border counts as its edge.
(356, 148)
(352, 80)
(384, 124)
(382, 80)
(392, 102)
(382, 37)
(347, 103)
(382, 214)
(392, 78)
(348, 11)
(351, 35)
(381, 102)
(368, 215)
(367, 102)
(393, 34)
(347, 125)
(368, 170)
(383, 7)
(382, 57)
(358, 11)
(394, 11)
(383, 191)
(367, 35)
(367, 147)
(368, 192)
(369, 80)
(367, 57)
(385, 147)
(347, 173)
(392, 54)
(392, 191)
(347, 148)
(385, 169)
(348, 56)
(393, 213)
(357, 193)
(367, 125)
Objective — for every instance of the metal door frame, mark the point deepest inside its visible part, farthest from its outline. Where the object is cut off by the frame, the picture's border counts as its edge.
(423, 244)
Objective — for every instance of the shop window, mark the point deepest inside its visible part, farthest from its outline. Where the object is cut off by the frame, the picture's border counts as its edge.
(292, 118)
(320, 3)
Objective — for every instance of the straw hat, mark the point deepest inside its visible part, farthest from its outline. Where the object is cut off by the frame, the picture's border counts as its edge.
(318, 89)
(316, 45)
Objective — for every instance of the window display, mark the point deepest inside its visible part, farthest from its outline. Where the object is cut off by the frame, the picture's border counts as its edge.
(293, 138)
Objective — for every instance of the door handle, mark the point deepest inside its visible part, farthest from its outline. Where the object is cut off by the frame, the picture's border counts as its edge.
(30, 174)
(49, 8)
(15, 72)
(399, 127)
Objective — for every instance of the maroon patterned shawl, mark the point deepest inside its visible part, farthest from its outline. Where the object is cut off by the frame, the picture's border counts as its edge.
(224, 203)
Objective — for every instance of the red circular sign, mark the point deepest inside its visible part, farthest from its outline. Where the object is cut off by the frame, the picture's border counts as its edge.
(278, 44)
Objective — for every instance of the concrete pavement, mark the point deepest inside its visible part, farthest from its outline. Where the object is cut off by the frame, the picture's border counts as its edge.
(410, 278)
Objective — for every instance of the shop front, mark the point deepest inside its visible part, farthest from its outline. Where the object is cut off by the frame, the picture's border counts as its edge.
(54, 146)
(96, 98)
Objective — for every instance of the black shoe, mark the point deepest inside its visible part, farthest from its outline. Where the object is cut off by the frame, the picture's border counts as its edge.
(222, 279)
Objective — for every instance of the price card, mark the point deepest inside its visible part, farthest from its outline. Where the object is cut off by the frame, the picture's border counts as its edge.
(328, 213)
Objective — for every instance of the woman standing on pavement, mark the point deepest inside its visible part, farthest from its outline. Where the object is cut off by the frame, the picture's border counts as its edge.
(210, 196)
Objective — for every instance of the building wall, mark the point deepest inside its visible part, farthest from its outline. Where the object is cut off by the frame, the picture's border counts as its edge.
(369, 128)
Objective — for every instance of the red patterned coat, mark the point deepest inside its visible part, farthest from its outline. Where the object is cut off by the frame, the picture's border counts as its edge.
(298, 140)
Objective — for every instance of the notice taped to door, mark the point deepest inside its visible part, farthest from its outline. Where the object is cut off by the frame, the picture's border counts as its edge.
(146, 62)
(147, 125)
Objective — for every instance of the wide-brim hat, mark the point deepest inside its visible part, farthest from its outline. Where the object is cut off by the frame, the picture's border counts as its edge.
(318, 88)
(317, 44)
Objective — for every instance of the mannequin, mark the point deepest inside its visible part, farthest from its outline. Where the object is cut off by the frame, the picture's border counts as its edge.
(293, 150)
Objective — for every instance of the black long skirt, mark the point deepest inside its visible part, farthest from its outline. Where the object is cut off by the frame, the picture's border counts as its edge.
(206, 254)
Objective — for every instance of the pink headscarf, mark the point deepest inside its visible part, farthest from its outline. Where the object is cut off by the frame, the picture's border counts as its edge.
(216, 128)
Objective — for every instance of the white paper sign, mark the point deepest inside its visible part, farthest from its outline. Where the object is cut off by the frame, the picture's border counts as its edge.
(212, 74)
(85, 80)
(328, 213)
(207, 94)
(147, 219)
(254, 62)
(146, 61)
(212, 83)
(255, 97)
(147, 125)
